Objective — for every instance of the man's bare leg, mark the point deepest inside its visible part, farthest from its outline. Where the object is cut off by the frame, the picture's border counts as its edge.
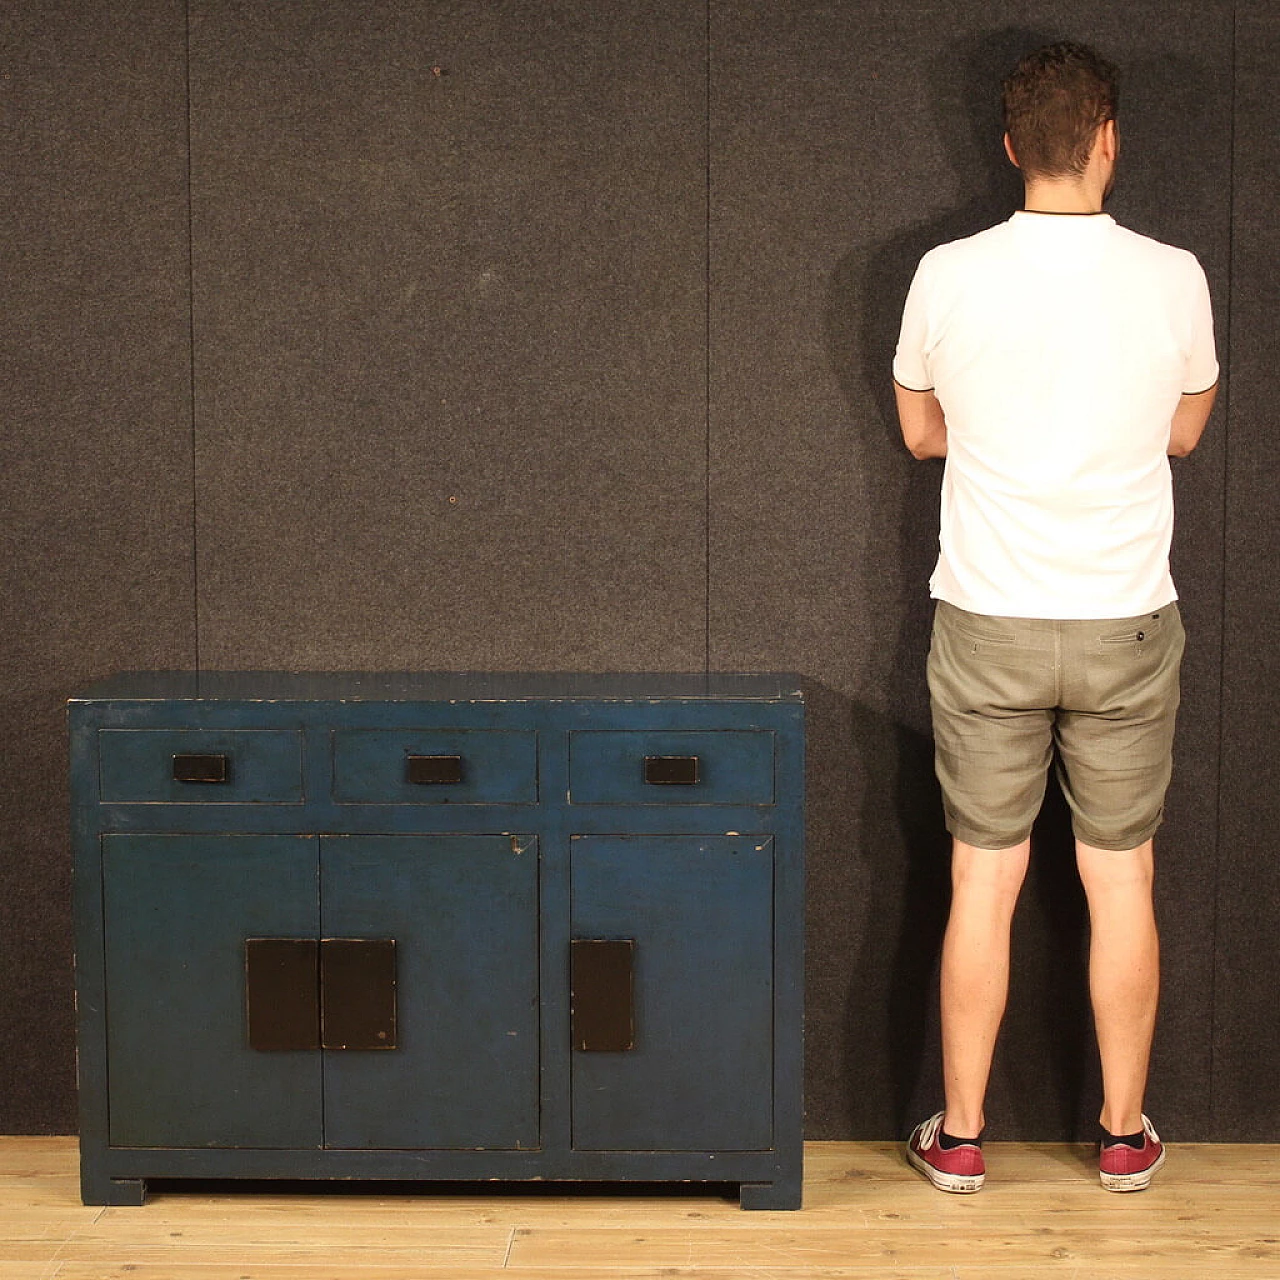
(1124, 974)
(975, 974)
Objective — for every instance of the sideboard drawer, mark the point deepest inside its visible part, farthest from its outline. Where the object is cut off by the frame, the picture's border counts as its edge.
(435, 766)
(671, 767)
(200, 766)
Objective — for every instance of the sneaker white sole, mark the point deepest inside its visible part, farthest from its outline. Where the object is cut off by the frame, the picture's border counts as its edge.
(957, 1183)
(1131, 1181)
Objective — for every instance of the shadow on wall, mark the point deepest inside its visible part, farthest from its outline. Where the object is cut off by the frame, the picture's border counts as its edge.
(891, 1013)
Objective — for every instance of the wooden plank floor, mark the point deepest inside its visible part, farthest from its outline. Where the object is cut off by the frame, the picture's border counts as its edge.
(1212, 1214)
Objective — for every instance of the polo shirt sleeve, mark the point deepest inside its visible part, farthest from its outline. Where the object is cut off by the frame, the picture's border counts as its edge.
(910, 362)
(1202, 357)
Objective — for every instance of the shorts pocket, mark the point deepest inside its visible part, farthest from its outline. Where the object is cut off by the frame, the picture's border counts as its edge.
(973, 627)
(984, 637)
(1135, 632)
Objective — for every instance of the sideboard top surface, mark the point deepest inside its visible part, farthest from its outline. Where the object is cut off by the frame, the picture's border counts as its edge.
(439, 686)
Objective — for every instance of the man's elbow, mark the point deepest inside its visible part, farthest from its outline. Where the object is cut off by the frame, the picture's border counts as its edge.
(927, 444)
(1184, 438)
(1189, 421)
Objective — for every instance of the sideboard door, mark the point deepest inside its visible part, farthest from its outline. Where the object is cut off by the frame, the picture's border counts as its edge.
(179, 910)
(463, 913)
(698, 1075)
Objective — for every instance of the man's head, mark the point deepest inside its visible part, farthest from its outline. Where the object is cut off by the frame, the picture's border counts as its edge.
(1055, 101)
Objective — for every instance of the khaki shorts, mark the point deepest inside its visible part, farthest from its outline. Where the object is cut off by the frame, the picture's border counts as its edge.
(1006, 691)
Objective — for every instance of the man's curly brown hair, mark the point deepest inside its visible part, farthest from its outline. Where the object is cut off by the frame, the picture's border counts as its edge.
(1055, 100)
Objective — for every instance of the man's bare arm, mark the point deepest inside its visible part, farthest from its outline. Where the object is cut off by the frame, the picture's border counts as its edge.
(924, 430)
(1188, 421)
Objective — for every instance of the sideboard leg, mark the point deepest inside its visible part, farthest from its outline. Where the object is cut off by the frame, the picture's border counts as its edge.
(783, 1194)
(127, 1191)
(97, 1188)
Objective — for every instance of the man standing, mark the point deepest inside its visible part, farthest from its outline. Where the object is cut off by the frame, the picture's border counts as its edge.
(1055, 361)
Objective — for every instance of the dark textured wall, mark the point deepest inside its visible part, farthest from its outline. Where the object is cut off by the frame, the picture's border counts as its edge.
(1246, 1071)
(449, 312)
(95, 457)
(557, 335)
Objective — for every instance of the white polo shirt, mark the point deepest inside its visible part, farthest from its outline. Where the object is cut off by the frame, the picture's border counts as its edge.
(1058, 346)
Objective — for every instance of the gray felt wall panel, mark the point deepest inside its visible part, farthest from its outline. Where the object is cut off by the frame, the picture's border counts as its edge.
(449, 284)
(1246, 1078)
(449, 403)
(842, 149)
(95, 458)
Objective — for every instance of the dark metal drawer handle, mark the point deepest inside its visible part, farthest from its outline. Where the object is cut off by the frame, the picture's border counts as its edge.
(358, 993)
(433, 770)
(281, 993)
(671, 770)
(202, 768)
(602, 994)
(330, 993)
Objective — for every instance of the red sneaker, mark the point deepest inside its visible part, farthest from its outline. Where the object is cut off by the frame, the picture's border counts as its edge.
(961, 1169)
(1125, 1168)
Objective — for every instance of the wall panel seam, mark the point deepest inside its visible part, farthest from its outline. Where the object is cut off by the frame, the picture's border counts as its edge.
(1224, 598)
(706, 342)
(191, 348)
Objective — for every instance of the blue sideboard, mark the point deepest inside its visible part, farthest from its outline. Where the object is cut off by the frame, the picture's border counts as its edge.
(440, 926)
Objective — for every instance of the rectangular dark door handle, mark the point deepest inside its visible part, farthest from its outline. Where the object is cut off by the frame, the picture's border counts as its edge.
(202, 768)
(358, 993)
(602, 994)
(433, 770)
(671, 770)
(282, 993)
